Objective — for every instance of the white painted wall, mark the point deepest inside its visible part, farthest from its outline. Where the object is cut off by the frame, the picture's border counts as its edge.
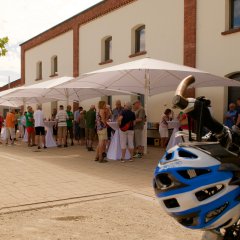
(164, 33)
(216, 53)
(163, 22)
(61, 46)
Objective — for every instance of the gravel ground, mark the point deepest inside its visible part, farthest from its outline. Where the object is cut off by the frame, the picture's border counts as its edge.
(124, 217)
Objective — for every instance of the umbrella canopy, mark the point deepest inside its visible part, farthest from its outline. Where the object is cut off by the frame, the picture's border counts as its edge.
(147, 76)
(151, 75)
(55, 89)
(7, 98)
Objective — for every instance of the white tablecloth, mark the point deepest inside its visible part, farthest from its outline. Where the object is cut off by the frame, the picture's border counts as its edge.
(114, 150)
(50, 142)
(25, 137)
(3, 133)
(173, 140)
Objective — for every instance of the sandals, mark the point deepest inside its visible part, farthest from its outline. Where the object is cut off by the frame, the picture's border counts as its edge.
(122, 160)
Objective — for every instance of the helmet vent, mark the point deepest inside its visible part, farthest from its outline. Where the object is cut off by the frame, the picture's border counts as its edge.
(192, 173)
(186, 154)
(189, 220)
(209, 192)
(163, 181)
(169, 156)
(216, 212)
(171, 203)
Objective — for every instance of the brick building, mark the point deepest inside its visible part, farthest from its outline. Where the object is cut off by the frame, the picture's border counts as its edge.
(198, 33)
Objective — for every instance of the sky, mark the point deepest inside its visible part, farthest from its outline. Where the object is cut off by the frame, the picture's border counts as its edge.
(21, 20)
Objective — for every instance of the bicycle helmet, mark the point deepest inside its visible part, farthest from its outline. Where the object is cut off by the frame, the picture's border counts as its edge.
(198, 185)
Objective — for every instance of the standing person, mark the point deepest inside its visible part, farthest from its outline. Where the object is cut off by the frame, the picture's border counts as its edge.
(61, 120)
(20, 125)
(76, 124)
(70, 124)
(82, 125)
(109, 129)
(39, 127)
(101, 123)
(17, 115)
(30, 127)
(230, 116)
(116, 112)
(23, 121)
(126, 123)
(1, 123)
(163, 127)
(90, 118)
(238, 113)
(55, 127)
(183, 120)
(138, 128)
(10, 126)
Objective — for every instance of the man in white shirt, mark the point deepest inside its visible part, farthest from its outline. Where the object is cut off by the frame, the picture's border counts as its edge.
(61, 119)
(39, 127)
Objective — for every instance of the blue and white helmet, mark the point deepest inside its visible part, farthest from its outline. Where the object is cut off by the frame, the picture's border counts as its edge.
(199, 186)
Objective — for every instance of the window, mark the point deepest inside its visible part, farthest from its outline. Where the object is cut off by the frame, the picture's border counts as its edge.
(106, 49)
(54, 66)
(39, 71)
(138, 41)
(234, 14)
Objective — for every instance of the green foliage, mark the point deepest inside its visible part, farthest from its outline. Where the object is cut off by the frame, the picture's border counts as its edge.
(3, 43)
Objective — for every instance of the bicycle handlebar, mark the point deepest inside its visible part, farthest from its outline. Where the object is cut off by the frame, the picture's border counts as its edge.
(178, 100)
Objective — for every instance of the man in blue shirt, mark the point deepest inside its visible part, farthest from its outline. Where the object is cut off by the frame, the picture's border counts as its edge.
(117, 111)
(230, 116)
(76, 123)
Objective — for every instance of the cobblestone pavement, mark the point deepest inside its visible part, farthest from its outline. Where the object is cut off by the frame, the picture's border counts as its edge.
(43, 192)
(29, 176)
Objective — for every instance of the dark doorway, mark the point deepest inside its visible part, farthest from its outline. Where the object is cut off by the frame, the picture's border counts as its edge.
(234, 92)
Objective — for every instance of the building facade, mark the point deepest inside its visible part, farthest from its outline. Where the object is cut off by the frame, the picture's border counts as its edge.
(197, 33)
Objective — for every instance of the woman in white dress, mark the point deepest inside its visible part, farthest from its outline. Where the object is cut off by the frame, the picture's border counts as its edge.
(163, 127)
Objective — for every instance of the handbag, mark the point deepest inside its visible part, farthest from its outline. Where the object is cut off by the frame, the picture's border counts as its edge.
(126, 126)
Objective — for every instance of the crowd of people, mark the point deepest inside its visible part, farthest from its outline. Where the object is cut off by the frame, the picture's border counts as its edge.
(131, 119)
(81, 127)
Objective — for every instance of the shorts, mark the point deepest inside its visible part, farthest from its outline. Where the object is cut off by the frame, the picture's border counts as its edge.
(138, 137)
(126, 138)
(163, 132)
(30, 130)
(40, 131)
(10, 132)
(62, 132)
(102, 134)
(90, 133)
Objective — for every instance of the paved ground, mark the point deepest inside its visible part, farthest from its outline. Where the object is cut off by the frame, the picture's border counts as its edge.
(110, 201)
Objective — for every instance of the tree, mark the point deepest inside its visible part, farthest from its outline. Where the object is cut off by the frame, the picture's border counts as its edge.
(3, 42)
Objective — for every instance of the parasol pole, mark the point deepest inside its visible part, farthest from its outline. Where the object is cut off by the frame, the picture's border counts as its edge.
(146, 96)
